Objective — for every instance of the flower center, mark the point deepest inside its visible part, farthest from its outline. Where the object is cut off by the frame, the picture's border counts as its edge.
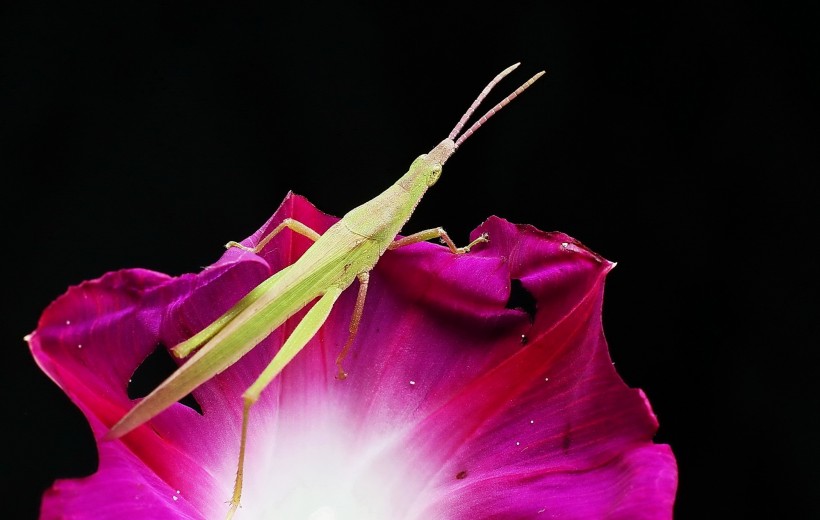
(323, 513)
(323, 468)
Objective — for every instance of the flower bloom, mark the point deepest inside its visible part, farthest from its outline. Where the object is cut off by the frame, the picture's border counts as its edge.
(480, 387)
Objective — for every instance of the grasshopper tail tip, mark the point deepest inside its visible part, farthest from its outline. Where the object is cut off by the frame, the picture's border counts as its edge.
(118, 430)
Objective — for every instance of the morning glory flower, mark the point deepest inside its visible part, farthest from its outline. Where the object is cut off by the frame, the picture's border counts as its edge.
(479, 387)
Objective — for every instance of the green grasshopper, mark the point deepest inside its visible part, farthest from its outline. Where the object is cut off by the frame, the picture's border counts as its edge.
(348, 250)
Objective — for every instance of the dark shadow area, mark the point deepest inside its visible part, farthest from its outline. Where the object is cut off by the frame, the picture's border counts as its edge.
(521, 299)
(156, 368)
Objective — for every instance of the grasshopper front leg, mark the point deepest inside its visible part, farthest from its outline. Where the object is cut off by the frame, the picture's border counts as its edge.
(292, 224)
(438, 232)
(185, 348)
(364, 281)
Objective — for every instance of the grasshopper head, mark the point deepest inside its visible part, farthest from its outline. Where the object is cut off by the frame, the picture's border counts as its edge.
(436, 159)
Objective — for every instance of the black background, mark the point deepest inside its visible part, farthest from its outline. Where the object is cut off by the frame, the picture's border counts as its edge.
(672, 139)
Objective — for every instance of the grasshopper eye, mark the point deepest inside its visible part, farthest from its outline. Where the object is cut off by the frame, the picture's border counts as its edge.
(435, 173)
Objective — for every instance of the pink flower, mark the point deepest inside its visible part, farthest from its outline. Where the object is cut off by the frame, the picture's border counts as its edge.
(461, 403)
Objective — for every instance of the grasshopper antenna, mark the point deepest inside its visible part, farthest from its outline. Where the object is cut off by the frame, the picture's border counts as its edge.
(454, 135)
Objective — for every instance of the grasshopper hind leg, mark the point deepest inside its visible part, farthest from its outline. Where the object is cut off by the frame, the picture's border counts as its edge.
(303, 332)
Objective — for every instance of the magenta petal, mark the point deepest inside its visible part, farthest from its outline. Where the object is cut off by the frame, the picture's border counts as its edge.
(456, 406)
(90, 341)
(510, 429)
(124, 487)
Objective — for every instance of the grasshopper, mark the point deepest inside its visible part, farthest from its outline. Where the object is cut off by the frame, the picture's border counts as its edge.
(348, 250)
